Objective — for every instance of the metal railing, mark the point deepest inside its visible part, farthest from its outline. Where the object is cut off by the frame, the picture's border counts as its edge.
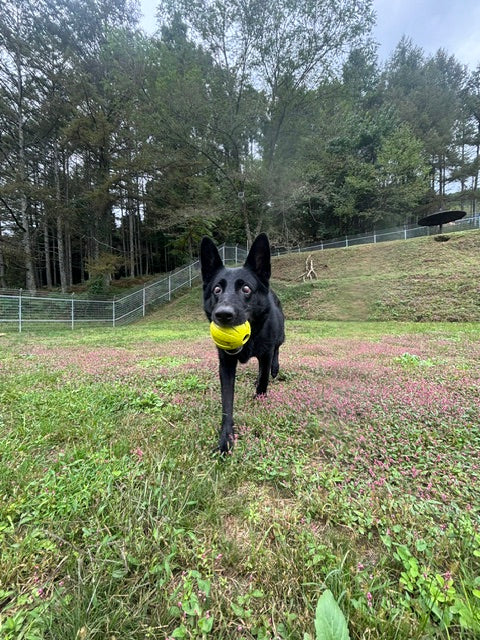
(385, 235)
(22, 308)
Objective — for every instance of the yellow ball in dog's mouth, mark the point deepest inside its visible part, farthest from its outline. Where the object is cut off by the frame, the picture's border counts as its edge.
(230, 338)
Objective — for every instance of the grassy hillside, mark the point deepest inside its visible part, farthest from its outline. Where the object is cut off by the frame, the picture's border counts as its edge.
(417, 280)
(413, 280)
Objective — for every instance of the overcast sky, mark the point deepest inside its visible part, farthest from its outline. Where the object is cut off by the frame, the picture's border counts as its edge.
(431, 24)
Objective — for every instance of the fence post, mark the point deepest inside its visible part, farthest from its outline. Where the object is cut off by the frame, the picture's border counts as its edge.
(170, 284)
(113, 312)
(73, 312)
(404, 232)
(346, 242)
(190, 276)
(144, 298)
(20, 311)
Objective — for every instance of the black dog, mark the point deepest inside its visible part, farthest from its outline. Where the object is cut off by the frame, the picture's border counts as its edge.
(232, 296)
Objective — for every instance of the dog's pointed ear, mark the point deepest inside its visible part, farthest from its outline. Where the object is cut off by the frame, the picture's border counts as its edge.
(258, 258)
(210, 259)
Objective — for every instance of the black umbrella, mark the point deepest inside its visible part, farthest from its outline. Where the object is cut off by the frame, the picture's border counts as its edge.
(440, 218)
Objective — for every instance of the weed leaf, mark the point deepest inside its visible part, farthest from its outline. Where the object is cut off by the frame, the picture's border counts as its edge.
(330, 623)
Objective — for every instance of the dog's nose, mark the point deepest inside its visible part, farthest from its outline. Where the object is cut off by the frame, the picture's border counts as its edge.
(223, 315)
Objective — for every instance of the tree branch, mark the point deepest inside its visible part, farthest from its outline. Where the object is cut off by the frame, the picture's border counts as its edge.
(10, 211)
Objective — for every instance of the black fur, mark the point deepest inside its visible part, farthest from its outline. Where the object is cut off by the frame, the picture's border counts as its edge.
(232, 296)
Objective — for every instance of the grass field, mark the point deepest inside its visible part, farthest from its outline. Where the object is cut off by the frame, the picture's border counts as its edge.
(359, 473)
(419, 279)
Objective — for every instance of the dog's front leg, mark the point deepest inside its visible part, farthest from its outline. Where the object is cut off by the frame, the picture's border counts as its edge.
(264, 366)
(228, 367)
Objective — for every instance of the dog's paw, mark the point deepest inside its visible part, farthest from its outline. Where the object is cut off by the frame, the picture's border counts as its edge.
(225, 446)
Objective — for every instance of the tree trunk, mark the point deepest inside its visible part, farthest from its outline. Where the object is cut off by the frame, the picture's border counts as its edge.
(475, 179)
(21, 169)
(68, 254)
(60, 225)
(131, 236)
(246, 222)
(140, 268)
(46, 243)
(3, 283)
(68, 232)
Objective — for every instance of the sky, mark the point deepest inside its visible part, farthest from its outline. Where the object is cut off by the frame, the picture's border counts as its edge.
(431, 24)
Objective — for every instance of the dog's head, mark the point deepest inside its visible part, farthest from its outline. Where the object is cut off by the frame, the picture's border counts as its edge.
(232, 296)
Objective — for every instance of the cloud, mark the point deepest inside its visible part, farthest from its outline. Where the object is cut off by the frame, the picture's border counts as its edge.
(431, 24)
(148, 22)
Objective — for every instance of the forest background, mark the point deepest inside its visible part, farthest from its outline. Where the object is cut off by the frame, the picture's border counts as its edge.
(119, 150)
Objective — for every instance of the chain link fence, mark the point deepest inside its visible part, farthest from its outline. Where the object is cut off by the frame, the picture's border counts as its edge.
(397, 233)
(21, 309)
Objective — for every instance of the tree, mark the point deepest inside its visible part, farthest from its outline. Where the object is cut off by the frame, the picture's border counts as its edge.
(426, 95)
(19, 90)
(278, 48)
(359, 166)
(469, 166)
(203, 124)
(402, 175)
(241, 115)
(50, 51)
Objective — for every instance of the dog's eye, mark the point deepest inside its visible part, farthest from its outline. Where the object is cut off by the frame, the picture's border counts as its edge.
(246, 289)
(217, 290)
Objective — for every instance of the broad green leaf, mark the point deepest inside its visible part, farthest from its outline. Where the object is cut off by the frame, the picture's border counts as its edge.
(205, 624)
(238, 611)
(330, 623)
(204, 586)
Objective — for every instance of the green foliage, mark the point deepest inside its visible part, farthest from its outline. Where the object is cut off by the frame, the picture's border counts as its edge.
(192, 607)
(402, 172)
(330, 623)
(139, 145)
(436, 592)
(411, 361)
(188, 239)
(100, 271)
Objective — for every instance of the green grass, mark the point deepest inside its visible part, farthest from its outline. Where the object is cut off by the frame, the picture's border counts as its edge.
(413, 280)
(418, 280)
(359, 473)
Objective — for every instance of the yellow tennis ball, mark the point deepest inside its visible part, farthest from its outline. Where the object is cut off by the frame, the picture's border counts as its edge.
(230, 338)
